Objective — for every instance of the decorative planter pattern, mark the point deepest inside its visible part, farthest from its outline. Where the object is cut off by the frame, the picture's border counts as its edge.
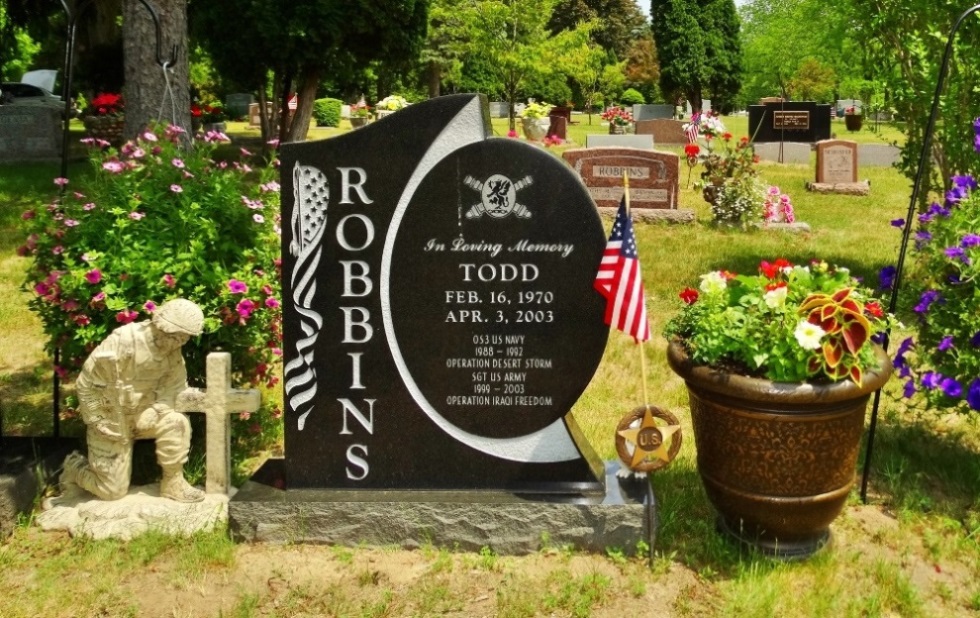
(109, 128)
(535, 128)
(777, 459)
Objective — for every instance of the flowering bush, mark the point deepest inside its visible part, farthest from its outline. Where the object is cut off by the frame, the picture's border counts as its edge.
(737, 202)
(942, 361)
(617, 116)
(708, 125)
(208, 114)
(536, 110)
(789, 323)
(729, 180)
(777, 207)
(106, 104)
(158, 221)
(392, 103)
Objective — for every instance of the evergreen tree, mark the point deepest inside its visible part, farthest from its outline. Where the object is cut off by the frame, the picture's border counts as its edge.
(698, 48)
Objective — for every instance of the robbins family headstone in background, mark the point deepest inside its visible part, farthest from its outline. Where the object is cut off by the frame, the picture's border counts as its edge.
(440, 321)
(837, 169)
(653, 179)
(29, 133)
(789, 121)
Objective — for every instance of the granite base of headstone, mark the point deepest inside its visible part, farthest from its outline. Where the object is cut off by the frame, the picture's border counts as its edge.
(840, 188)
(465, 520)
(29, 133)
(597, 140)
(797, 227)
(27, 466)
(439, 323)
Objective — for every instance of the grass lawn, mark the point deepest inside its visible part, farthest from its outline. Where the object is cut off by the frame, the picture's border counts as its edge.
(914, 551)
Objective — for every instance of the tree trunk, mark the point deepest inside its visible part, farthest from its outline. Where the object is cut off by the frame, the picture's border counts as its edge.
(435, 79)
(306, 92)
(146, 85)
(285, 86)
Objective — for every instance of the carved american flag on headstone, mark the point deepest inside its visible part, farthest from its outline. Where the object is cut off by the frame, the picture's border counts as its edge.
(312, 195)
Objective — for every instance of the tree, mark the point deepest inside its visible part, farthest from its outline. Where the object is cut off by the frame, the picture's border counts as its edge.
(513, 36)
(698, 46)
(642, 67)
(149, 94)
(301, 41)
(618, 22)
(445, 43)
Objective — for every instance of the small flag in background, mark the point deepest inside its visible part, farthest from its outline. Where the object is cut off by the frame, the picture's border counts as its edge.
(693, 129)
(620, 282)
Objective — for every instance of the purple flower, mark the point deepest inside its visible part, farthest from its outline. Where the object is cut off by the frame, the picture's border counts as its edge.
(932, 380)
(973, 394)
(970, 240)
(886, 278)
(926, 300)
(921, 238)
(975, 339)
(909, 389)
(966, 181)
(945, 344)
(952, 388)
(956, 253)
(976, 143)
(955, 195)
(237, 287)
(899, 223)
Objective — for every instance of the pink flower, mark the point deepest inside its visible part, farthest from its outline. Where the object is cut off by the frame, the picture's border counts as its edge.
(244, 152)
(269, 187)
(245, 415)
(138, 153)
(114, 167)
(274, 143)
(71, 222)
(136, 216)
(177, 163)
(176, 188)
(188, 174)
(126, 316)
(98, 298)
(237, 287)
(70, 305)
(258, 218)
(149, 136)
(60, 181)
(93, 276)
(82, 320)
(78, 196)
(88, 206)
(41, 289)
(267, 290)
(169, 281)
(28, 214)
(512, 133)
(271, 303)
(149, 306)
(57, 250)
(60, 371)
(276, 413)
(277, 351)
(245, 307)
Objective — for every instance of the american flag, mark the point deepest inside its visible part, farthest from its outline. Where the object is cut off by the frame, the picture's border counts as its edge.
(693, 128)
(312, 195)
(620, 282)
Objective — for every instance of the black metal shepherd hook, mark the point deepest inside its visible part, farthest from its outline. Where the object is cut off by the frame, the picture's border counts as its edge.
(924, 162)
(69, 69)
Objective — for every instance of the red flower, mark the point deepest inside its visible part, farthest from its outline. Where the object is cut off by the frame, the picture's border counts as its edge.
(196, 111)
(726, 136)
(689, 296)
(874, 309)
(771, 270)
(692, 150)
(775, 286)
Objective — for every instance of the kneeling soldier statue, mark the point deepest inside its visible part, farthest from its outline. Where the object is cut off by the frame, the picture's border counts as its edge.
(127, 390)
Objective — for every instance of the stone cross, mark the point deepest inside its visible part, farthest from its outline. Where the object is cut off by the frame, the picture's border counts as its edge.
(217, 402)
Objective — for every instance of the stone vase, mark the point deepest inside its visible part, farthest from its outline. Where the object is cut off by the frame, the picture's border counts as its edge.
(853, 122)
(358, 121)
(109, 128)
(535, 128)
(616, 129)
(777, 460)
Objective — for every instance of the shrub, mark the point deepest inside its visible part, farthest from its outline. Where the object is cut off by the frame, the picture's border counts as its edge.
(158, 221)
(326, 112)
(632, 96)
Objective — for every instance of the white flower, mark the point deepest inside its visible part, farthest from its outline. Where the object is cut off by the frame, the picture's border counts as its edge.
(776, 298)
(808, 335)
(713, 282)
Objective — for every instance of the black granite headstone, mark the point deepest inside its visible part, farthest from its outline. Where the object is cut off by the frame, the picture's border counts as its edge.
(440, 319)
(789, 121)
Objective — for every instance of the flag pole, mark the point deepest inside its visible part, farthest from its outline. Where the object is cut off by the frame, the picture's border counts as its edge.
(643, 356)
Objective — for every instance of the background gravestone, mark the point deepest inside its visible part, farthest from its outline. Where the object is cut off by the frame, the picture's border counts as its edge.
(651, 112)
(837, 161)
(664, 131)
(652, 175)
(29, 133)
(237, 104)
(789, 121)
(441, 319)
